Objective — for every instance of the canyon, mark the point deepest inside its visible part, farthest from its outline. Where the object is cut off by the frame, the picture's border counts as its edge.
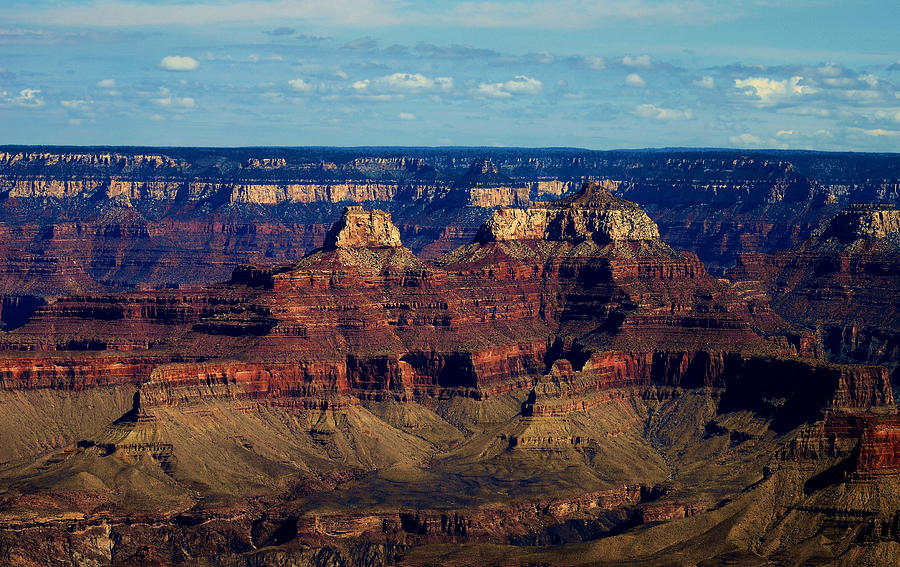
(448, 357)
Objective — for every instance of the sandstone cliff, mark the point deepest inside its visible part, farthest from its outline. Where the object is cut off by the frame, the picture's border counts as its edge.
(593, 214)
(359, 228)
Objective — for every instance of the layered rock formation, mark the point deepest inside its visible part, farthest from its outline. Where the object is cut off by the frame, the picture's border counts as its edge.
(842, 284)
(359, 228)
(594, 215)
(565, 377)
(75, 220)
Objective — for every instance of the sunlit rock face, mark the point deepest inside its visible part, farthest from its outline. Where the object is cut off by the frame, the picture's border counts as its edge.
(592, 214)
(863, 221)
(359, 228)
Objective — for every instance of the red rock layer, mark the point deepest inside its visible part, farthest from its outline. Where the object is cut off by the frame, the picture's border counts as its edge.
(363, 318)
(880, 447)
(37, 371)
(841, 285)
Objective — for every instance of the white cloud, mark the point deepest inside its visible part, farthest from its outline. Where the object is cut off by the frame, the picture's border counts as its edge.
(178, 63)
(878, 132)
(831, 70)
(523, 85)
(807, 111)
(785, 133)
(770, 91)
(184, 103)
(870, 80)
(891, 114)
(301, 85)
(28, 97)
(107, 84)
(861, 95)
(405, 82)
(642, 61)
(660, 113)
(595, 62)
(408, 81)
(380, 97)
(634, 80)
(520, 84)
(406, 116)
(839, 81)
(26, 34)
(746, 139)
(491, 90)
(706, 82)
(74, 104)
(254, 58)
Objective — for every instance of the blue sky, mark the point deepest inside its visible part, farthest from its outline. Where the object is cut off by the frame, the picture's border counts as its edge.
(812, 74)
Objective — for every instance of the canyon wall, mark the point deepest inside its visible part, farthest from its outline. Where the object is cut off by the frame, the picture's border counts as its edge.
(92, 219)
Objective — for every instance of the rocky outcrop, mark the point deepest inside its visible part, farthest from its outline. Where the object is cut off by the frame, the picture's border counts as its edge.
(625, 308)
(879, 448)
(667, 511)
(864, 221)
(746, 381)
(593, 214)
(359, 228)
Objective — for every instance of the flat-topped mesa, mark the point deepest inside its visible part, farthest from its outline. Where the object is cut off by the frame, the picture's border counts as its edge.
(360, 228)
(870, 221)
(592, 214)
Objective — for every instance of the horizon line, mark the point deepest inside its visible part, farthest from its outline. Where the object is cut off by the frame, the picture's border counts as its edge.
(454, 147)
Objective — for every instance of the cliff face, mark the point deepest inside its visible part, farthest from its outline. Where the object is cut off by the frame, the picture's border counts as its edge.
(594, 214)
(359, 228)
(842, 283)
(870, 222)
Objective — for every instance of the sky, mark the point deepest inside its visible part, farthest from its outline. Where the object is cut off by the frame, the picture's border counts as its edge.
(603, 74)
